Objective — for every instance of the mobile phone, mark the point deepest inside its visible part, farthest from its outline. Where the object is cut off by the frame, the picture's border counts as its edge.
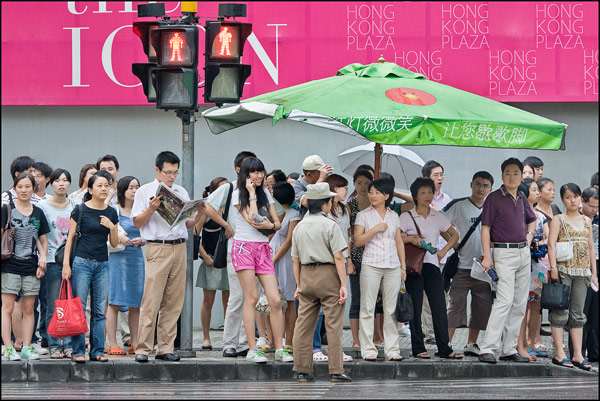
(257, 218)
(493, 274)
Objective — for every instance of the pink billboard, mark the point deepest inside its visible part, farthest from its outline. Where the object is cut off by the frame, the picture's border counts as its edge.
(80, 53)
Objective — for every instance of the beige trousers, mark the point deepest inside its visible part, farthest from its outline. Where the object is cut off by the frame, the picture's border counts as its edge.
(164, 293)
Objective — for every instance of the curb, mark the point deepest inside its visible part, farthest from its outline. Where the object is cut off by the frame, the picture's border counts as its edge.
(200, 371)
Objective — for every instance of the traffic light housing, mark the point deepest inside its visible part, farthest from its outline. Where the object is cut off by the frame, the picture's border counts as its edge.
(224, 74)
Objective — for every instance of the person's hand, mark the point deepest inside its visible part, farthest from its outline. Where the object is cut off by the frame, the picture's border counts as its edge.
(529, 239)
(42, 262)
(137, 241)
(487, 263)
(343, 295)
(350, 268)
(201, 207)
(381, 227)
(123, 239)
(250, 187)
(265, 225)
(105, 222)
(40, 273)
(155, 203)
(554, 274)
(441, 254)
(594, 280)
(111, 192)
(416, 240)
(325, 172)
(208, 260)
(296, 292)
(66, 271)
(229, 231)
(403, 274)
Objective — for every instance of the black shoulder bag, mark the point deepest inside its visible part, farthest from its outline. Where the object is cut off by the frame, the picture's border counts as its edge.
(220, 258)
(451, 266)
(59, 255)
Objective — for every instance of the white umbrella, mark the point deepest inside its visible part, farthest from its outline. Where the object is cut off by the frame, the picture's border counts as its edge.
(403, 164)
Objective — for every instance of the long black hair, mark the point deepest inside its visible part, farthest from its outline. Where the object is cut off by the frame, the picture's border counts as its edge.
(251, 165)
(101, 173)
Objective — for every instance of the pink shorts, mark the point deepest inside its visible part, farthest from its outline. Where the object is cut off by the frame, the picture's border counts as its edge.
(253, 256)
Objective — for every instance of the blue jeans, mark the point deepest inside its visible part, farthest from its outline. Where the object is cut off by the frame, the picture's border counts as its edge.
(52, 280)
(317, 335)
(91, 276)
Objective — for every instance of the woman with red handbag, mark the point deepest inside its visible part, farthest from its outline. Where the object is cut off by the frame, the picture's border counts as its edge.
(90, 265)
(22, 271)
(422, 226)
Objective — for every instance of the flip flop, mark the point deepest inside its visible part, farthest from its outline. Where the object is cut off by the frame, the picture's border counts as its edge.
(584, 365)
(454, 355)
(423, 355)
(57, 355)
(67, 354)
(562, 363)
(207, 346)
(78, 358)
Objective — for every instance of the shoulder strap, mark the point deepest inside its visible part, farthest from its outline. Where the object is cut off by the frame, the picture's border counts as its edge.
(78, 231)
(416, 225)
(8, 215)
(560, 217)
(228, 204)
(466, 238)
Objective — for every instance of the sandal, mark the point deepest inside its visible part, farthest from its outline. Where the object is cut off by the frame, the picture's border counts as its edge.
(423, 355)
(131, 351)
(78, 359)
(116, 350)
(67, 354)
(453, 355)
(319, 356)
(564, 363)
(395, 358)
(99, 358)
(57, 355)
(584, 365)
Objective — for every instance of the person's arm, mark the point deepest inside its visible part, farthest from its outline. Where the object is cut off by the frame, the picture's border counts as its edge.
(66, 271)
(201, 251)
(287, 244)
(200, 215)
(142, 219)
(530, 231)
(362, 238)
(43, 252)
(404, 197)
(552, 238)
(113, 236)
(401, 253)
(593, 266)
(217, 218)
(340, 266)
(296, 263)
(487, 261)
(450, 244)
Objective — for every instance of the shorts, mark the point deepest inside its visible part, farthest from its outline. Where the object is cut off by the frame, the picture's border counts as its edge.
(252, 256)
(20, 285)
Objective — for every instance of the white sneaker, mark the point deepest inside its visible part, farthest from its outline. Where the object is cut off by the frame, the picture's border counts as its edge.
(346, 358)
(404, 331)
(471, 350)
(257, 356)
(283, 355)
(260, 342)
(10, 354)
(40, 350)
(29, 353)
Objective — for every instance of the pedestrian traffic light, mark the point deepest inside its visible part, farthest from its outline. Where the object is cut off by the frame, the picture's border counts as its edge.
(224, 75)
(144, 70)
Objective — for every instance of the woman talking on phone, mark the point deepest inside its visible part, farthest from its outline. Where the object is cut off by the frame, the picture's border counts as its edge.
(255, 218)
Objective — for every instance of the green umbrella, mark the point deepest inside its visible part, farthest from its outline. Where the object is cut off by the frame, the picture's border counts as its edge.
(388, 104)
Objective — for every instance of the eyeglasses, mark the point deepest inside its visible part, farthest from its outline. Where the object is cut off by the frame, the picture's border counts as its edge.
(173, 173)
(479, 185)
(438, 175)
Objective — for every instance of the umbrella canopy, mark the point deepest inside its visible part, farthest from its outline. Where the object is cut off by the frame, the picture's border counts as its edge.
(388, 104)
(405, 165)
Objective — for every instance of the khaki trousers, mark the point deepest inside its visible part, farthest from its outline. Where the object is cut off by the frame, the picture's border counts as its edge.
(390, 282)
(320, 288)
(513, 267)
(164, 292)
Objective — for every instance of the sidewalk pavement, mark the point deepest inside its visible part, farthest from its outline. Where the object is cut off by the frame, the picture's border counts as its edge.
(210, 365)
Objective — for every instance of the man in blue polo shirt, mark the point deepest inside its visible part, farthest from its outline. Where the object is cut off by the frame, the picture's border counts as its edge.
(508, 224)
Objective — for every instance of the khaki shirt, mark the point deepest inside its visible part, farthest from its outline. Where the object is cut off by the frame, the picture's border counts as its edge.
(316, 239)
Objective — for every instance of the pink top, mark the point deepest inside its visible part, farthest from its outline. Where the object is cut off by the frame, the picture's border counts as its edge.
(431, 227)
(381, 251)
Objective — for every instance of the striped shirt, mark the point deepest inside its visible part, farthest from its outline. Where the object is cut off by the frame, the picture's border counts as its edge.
(381, 251)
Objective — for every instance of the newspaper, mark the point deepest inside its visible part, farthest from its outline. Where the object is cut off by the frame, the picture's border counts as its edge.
(173, 209)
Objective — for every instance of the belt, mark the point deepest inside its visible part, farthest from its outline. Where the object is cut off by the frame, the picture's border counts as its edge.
(167, 241)
(317, 264)
(510, 245)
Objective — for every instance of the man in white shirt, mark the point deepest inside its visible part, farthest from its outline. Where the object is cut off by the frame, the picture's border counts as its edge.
(463, 213)
(166, 262)
(110, 164)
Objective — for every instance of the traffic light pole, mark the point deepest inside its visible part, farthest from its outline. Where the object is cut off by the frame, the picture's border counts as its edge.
(187, 316)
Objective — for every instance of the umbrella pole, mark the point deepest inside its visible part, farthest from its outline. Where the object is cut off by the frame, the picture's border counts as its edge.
(378, 152)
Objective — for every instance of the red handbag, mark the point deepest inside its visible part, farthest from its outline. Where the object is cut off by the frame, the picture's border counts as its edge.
(68, 318)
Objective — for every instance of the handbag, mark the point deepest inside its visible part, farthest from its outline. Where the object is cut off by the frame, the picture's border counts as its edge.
(555, 296)
(263, 304)
(196, 252)
(8, 235)
(68, 318)
(59, 255)
(414, 255)
(120, 247)
(220, 258)
(564, 250)
(404, 307)
(451, 266)
(265, 214)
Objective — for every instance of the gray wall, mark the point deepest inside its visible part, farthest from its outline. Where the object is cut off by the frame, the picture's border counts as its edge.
(69, 137)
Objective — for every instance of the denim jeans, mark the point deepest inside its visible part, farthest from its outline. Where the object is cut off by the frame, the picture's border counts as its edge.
(53, 280)
(317, 335)
(91, 276)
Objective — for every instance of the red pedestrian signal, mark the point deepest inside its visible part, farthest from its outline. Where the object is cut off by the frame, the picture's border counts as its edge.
(176, 46)
(225, 40)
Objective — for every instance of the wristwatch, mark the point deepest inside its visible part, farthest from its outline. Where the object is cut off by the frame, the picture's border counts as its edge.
(529, 232)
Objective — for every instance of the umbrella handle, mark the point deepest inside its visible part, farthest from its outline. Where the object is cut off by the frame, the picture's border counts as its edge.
(378, 152)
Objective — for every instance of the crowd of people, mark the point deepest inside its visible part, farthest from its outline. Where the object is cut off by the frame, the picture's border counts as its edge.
(295, 246)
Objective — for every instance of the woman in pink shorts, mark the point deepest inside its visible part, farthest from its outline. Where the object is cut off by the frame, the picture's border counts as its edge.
(251, 253)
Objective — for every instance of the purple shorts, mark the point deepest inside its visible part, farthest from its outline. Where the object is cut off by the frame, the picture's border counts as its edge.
(253, 256)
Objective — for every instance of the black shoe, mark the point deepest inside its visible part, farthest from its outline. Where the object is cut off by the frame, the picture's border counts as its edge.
(487, 357)
(242, 352)
(141, 358)
(514, 358)
(305, 377)
(207, 347)
(168, 357)
(340, 378)
(229, 352)
(545, 333)
(430, 341)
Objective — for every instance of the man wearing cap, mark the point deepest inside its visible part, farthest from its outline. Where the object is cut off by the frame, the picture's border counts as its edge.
(320, 273)
(315, 170)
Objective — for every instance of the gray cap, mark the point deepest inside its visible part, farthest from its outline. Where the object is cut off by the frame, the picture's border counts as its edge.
(319, 190)
(312, 163)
